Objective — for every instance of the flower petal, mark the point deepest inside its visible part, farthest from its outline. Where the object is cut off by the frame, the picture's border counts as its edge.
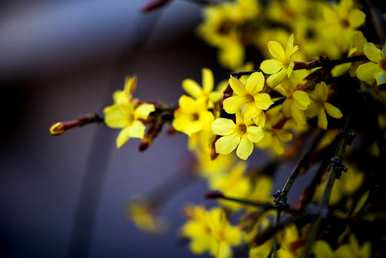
(233, 104)
(372, 52)
(322, 119)
(365, 72)
(245, 148)
(227, 144)
(271, 66)
(187, 103)
(117, 116)
(223, 126)
(276, 50)
(332, 110)
(255, 133)
(276, 78)
(302, 100)
(192, 88)
(356, 18)
(143, 111)
(135, 130)
(255, 83)
(207, 80)
(263, 101)
(237, 86)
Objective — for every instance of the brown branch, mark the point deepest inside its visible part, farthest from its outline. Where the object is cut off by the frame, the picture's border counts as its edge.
(321, 62)
(61, 127)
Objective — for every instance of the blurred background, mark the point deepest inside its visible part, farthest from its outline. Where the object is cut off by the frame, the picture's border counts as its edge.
(60, 60)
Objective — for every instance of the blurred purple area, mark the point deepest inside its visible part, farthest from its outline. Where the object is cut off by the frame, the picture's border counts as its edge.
(62, 59)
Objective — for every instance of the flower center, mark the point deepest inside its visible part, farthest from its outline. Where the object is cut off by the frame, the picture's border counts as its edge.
(242, 128)
(345, 23)
(250, 98)
(195, 116)
(382, 63)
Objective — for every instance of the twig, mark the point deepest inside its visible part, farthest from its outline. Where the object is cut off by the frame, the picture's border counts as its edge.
(264, 206)
(335, 169)
(321, 62)
(60, 128)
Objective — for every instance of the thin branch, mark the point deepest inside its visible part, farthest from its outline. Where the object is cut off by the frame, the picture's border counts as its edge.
(336, 168)
(264, 206)
(60, 128)
(321, 62)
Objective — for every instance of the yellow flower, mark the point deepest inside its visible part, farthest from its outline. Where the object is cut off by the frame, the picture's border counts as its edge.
(338, 25)
(206, 91)
(125, 95)
(225, 27)
(234, 184)
(348, 184)
(192, 116)
(241, 135)
(353, 249)
(143, 217)
(261, 251)
(124, 115)
(356, 48)
(320, 107)
(262, 189)
(375, 70)
(210, 231)
(282, 64)
(289, 236)
(275, 137)
(248, 98)
(322, 249)
(297, 99)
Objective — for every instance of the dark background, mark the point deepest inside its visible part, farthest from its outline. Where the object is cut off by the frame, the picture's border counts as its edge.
(62, 59)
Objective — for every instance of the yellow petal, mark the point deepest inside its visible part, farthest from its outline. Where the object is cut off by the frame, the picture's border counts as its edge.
(322, 250)
(207, 80)
(263, 101)
(223, 126)
(227, 144)
(302, 100)
(187, 103)
(290, 48)
(233, 104)
(380, 77)
(255, 83)
(372, 52)
(365, 72)
(271, 66)
(255, 133)
(143, 111)
(276, 78)
(117, 116)
(321, 91)
(135, 130)
(276, 50)
(338, 70)
(356, 18)
(245, 148)
(237, 86)
(130, 85)
(290, 69)
(322, 119)
(192, 88)
(298, 115)
(332, 110)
